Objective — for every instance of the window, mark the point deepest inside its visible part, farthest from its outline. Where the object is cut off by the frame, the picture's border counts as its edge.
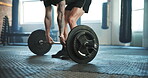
(32, 12)
(137, 15)
(95, 11)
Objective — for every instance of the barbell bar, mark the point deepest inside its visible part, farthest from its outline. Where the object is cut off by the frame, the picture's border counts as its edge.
(41, 42)
(87, 43)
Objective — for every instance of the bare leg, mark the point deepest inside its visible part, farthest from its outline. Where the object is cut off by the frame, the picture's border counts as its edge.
(75, 14)
(71, 17)
(67, 13)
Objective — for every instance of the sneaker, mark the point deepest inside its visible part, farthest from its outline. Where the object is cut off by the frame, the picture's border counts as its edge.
(58, 55)
(64, 57)
(62, 54)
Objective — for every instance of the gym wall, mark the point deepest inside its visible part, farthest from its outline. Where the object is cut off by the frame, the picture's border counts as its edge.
(5, 10)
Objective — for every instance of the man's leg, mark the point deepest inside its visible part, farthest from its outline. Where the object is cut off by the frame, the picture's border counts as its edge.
(61, 24)
(75, 14)
(71, 17)
(63, 52)
(67, 13)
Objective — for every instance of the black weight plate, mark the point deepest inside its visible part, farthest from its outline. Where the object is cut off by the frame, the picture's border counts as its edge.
(85, 44)
(73, 44)
(35, 46)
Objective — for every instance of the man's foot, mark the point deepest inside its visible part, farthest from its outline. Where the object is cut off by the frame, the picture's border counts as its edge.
(65, 57)
(62, 54)
(58, 55)
(62, 40)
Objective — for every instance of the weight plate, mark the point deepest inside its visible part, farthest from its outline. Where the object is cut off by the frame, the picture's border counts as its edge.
(36, 42)
(82, 44)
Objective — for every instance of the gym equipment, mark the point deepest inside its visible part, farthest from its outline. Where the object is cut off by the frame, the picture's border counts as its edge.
(82, 44)
(104, 15)
(125, 26)
(36, 42)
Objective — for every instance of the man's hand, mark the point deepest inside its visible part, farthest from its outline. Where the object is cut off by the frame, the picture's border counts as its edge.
(62, 40)
(49, 39)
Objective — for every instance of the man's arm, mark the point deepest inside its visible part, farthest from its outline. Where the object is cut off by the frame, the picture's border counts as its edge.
(61, 20)
(47, 21)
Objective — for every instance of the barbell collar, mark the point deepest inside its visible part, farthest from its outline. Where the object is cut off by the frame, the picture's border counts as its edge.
(90, 44)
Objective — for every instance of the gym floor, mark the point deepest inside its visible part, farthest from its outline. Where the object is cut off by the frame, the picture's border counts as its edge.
(110, 62)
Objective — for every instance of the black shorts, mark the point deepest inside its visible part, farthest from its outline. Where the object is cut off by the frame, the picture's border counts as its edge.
(80, 4)
(51, 2)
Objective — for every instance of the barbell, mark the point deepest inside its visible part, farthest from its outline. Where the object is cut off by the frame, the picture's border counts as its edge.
(82, 44)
